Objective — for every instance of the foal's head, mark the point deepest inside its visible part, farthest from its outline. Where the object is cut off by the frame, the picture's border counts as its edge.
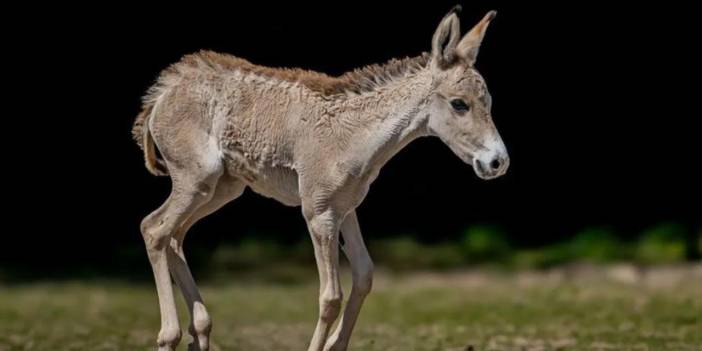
(459, 112)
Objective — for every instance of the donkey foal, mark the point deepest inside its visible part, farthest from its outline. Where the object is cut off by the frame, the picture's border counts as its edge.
(305, 139)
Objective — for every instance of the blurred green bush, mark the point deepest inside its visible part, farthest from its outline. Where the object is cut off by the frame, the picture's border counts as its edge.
(483, 243)
(478, 245)
(664, 243)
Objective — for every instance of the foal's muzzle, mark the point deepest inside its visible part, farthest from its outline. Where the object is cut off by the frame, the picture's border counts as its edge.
(493, 167)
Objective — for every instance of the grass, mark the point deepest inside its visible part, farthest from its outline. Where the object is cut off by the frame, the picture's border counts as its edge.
(567, 308)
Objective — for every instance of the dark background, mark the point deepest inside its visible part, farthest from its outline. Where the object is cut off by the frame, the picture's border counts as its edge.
(591, 101)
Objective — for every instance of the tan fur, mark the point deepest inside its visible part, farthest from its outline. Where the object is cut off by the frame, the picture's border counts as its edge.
(223, 124)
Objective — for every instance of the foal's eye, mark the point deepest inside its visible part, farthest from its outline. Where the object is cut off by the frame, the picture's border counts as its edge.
(459, 105)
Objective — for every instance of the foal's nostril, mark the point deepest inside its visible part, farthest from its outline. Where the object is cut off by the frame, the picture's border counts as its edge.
(495, 164)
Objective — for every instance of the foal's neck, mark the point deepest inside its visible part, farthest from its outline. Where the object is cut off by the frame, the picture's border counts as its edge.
(397, 116)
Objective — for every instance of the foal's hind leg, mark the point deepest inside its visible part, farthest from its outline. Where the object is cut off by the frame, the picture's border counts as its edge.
(190, 190)
(227, 190)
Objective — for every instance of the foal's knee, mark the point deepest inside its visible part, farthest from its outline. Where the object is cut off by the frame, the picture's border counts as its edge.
(364, 278)
(155, 238)
(330, 307)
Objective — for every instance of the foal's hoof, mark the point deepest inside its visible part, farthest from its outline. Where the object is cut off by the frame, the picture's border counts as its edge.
(198, 345)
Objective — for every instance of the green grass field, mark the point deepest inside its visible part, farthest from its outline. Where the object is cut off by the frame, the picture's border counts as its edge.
(573, 308)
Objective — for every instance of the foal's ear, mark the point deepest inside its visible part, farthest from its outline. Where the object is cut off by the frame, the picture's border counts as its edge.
(443, 51)
(470, 44)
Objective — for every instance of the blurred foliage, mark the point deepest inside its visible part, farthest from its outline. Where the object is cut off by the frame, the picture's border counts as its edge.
(483, 245)
(664, 243)
(596, 245)
(405, 253)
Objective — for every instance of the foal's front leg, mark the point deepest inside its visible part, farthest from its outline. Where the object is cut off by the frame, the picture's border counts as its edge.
(324, 230)
(362, 274)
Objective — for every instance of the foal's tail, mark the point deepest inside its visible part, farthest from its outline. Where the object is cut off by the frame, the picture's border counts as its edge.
(143, 138)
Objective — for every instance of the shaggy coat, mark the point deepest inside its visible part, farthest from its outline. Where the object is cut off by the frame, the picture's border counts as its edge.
(222, 124)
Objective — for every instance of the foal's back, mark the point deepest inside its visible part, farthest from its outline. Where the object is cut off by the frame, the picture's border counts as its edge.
(230, 100)
(216, 110)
